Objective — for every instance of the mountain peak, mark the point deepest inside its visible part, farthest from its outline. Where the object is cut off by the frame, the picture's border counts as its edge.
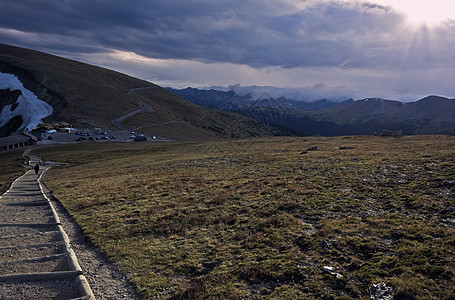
(434, 98)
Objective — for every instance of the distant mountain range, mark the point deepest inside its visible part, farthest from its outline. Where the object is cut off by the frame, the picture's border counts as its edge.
(430, 115)
(229, 100)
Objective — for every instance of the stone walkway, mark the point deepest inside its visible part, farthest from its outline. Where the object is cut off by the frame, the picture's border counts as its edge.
(36, 260)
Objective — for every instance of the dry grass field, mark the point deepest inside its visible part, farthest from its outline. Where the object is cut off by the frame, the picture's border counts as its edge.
(11, 163)
(260, 219)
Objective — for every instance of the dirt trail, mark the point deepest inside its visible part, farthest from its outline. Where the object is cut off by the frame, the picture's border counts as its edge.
(37, 259)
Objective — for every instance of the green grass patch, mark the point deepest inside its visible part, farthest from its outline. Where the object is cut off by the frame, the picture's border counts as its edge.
(257, 218)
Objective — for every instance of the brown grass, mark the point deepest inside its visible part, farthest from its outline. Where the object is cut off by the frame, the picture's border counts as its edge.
(256, 218)
(11, 163)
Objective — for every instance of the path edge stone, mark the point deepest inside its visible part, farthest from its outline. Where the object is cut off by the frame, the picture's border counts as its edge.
(80, 280)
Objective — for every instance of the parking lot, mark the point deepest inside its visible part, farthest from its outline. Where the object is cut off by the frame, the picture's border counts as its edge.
(81, 136)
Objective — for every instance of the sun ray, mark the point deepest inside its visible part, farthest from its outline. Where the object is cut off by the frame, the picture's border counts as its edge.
(428, 13)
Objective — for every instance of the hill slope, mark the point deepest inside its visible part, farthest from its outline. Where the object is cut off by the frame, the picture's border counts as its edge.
(89, 96)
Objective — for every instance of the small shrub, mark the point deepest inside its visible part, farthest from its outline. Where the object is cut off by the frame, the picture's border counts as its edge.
(255, 273)
(193, 290)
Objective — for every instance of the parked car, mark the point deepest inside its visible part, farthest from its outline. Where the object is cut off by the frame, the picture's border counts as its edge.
(140, 138)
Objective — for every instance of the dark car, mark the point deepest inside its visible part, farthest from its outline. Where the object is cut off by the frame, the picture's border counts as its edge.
(140, 138)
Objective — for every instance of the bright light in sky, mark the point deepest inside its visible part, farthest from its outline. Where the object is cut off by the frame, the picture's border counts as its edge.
(396, 49)
(424, 12)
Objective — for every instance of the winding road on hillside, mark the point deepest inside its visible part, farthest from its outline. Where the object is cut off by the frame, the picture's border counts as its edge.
(118, 121)
(144, 106)
(145, 88)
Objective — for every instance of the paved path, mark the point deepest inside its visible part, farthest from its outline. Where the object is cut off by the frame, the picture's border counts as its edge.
(36, 260)
(118, 122)
(145, 88)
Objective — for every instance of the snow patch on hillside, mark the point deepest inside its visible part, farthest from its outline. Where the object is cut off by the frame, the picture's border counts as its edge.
(32, 109)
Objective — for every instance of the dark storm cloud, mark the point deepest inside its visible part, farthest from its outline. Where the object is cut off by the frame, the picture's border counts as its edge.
(342, 45)
(256, 33)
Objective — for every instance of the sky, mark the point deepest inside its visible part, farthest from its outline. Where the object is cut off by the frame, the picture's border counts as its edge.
(302, 49)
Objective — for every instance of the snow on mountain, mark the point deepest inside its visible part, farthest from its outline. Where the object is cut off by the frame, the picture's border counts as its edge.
(32, 109)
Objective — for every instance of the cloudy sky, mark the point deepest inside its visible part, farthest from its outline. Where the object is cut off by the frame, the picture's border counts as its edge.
(306, 49)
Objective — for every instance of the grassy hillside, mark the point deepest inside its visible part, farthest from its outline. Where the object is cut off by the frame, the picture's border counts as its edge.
(11, 163)
(89, 96)
(262, 218)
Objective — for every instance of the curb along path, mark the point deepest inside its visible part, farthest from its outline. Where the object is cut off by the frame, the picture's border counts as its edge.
(36, 260)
